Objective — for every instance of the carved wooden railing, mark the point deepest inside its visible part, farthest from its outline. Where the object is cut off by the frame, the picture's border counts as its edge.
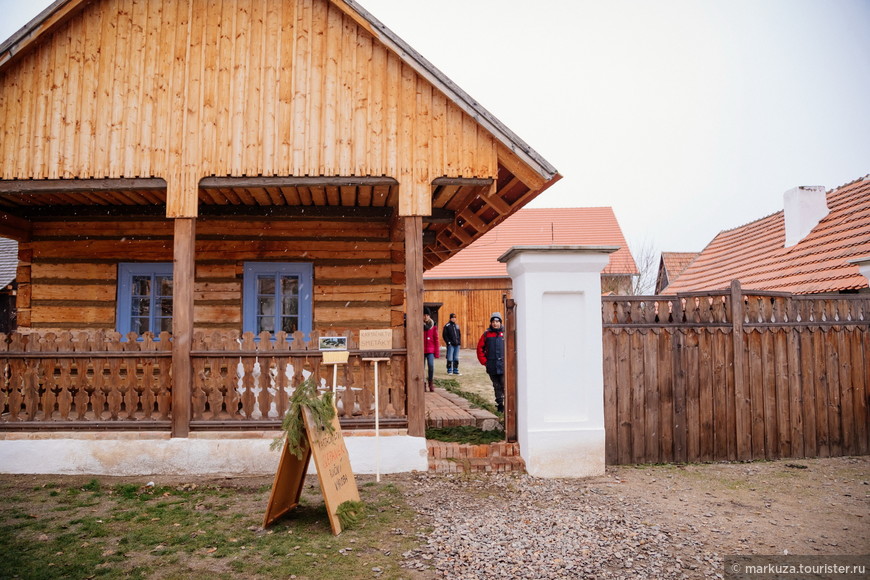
(244, 380)
(85, 379)
(101, 380)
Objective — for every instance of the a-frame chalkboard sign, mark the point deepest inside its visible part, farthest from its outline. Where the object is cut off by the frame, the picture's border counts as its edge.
(337, 482)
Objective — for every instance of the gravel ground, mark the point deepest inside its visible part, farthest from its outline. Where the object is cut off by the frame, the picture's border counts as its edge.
(663, 521)
(504, 526)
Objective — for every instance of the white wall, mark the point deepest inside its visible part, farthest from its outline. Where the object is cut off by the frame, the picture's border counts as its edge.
(213, 453)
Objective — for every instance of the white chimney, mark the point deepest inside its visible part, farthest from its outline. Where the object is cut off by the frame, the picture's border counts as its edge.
(805, 207)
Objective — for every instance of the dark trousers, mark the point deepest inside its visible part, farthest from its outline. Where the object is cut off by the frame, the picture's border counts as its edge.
(498, 387)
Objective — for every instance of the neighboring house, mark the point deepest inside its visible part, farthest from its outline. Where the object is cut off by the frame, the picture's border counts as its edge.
(671, 265)
(473, 282)
(808, 248)
(265, 167)
(8, 285)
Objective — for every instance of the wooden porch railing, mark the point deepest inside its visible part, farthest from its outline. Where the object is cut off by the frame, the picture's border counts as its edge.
(240, 381)
(85, 379)
(97, 380)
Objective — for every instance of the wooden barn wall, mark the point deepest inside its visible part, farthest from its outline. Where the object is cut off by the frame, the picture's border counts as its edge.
(183, 89)
(473, 301)
(70, 269)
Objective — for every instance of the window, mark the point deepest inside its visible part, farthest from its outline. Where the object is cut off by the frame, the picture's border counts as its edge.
(144, 298)
(277, 296)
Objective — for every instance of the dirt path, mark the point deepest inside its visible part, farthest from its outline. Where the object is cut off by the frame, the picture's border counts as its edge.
(807, 506)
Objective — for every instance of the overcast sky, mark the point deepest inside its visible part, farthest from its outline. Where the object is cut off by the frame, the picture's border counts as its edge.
(686, 116)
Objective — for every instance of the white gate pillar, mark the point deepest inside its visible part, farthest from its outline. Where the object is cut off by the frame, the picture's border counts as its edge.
(560, 377)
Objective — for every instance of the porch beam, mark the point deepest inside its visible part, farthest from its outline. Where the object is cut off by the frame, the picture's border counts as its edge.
(440, 216)
(14, 227)
(295, 211)
(290, 181)
(463, 181)
(211, 211)
(182, 324)
(36, 186)
(413, 226)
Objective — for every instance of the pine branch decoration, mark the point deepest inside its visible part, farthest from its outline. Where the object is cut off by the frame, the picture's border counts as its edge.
(322, 411)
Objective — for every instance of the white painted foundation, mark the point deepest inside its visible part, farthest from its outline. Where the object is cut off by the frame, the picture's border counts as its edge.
(560, 380)
(213, 453)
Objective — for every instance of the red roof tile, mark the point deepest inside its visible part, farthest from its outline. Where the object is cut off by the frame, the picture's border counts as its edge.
(589, 226)
(676, 262)
(755, 253)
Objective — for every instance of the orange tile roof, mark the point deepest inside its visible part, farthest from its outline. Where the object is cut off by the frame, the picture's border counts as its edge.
(676, 262)
(754, 253)
(589, 226)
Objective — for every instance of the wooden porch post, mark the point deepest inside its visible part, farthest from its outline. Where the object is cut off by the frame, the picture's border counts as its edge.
(182, 324)
(413, 324)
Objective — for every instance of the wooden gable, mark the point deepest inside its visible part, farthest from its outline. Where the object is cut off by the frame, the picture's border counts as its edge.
(185, 90)
(191, 106)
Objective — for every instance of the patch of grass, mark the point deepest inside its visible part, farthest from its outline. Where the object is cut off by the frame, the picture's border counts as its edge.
(92, 485)
(213, 533)
(476, 400)
(465, 434)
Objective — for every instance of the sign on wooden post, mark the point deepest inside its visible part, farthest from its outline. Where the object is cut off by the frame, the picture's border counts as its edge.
(337, 482)
(375, 346)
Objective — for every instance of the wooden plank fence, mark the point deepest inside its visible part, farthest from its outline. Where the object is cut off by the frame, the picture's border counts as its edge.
(97, 380)
(724, 376)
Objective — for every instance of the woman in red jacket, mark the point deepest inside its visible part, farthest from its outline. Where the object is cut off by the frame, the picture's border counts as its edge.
(431, 346)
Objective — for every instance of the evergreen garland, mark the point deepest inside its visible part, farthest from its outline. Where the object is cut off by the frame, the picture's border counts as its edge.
(322, 411)
(350, 513)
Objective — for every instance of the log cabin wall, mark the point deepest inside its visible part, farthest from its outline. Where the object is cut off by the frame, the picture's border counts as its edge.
(72, 269)
(184, 89)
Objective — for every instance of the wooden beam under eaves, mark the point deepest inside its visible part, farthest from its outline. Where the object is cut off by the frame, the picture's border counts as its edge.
(290, 181)
(37, 186)
(440, 216)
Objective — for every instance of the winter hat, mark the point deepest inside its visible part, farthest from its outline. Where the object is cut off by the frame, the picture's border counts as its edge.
(495, 315)
(427, 312)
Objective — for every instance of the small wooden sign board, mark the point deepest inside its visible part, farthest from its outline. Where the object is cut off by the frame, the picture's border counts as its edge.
(376, 339)
(337, 482)
(335, 357)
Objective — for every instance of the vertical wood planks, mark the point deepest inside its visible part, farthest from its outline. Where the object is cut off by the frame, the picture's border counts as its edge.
(805, 384)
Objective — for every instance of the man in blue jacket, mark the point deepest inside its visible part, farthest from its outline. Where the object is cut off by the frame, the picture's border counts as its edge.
(453, 339)
(490, 352)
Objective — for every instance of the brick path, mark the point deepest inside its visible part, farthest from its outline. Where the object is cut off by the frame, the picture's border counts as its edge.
(445, 409)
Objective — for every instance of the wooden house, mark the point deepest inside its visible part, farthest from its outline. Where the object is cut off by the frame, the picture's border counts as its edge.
(201, 189)
(472, 283)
